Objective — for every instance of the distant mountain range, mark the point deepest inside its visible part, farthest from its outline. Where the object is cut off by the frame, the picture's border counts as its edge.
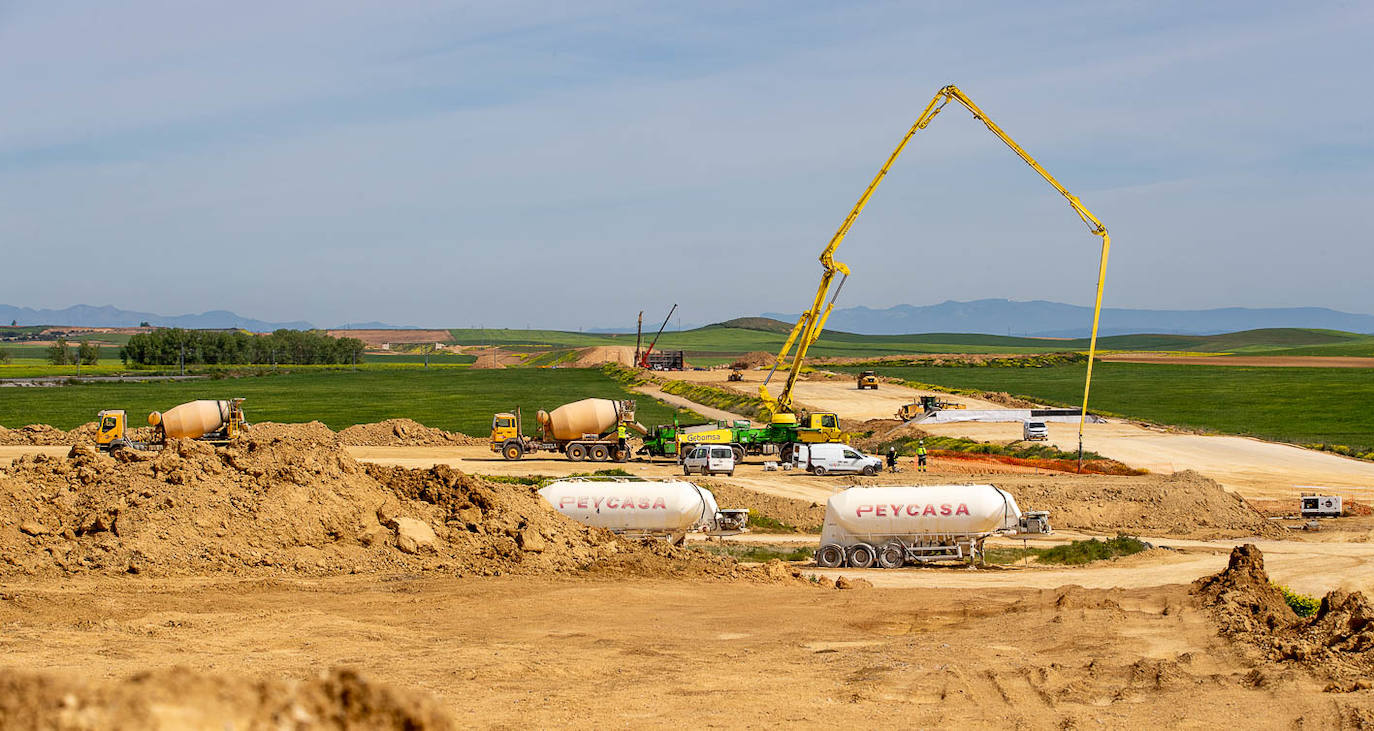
(110, 316)
(1038, 318)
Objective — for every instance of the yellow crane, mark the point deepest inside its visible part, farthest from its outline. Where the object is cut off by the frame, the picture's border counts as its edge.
(812, 322)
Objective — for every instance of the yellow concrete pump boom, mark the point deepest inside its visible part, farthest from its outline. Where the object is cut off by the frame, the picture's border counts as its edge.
(812, 322)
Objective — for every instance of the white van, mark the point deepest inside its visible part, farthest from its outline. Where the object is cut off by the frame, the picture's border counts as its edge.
(1034, 431)
(823, 459)
(709, 460)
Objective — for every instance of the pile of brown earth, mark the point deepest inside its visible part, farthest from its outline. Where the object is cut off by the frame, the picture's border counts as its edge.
(287, 498)
(753, 360)
(180, 698)
(43, 435)
(389, 433)
(403, 433)
(802, 515)
(1181, 504)
(1336, 642)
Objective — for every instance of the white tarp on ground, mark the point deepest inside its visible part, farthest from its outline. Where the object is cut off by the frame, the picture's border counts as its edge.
(952, 415)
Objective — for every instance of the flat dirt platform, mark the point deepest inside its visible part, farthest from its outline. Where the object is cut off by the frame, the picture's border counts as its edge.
(540, 652)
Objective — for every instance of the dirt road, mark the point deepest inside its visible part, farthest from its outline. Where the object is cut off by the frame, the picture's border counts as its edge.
(840, 396)
(532, 652)
(1251, 467)
(653, 391)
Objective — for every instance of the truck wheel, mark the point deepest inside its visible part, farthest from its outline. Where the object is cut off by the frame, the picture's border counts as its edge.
(785, 453)
(739, 453)
(862, 556)
(599, 453)
(819, 471)
(513, 451)
(870, 470)
(830, 556)
(892, 555)
(577, 452)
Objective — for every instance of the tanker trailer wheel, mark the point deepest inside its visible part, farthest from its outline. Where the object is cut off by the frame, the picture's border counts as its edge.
(831, 556)
(577, 452)
(599, 453)
(513, 451)
(862, 556)
(870, 470)
(892, 555)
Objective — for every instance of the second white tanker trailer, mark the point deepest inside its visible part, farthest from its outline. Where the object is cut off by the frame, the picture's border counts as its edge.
(889, 527)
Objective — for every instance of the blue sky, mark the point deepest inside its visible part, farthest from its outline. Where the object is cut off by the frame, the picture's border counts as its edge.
(567, 165)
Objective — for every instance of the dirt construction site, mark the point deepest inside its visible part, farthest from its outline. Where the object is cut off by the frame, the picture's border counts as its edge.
(397, 576)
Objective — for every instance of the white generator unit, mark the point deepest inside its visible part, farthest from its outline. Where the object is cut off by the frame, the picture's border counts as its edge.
(1321, 506)
(642, 507)
(889, 527)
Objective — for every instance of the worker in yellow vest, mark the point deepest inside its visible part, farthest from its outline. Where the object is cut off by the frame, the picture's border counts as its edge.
(921, 455)
(621, 435)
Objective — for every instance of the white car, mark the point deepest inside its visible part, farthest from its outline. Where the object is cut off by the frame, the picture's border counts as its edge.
(709, 460)
(1034, 431)
(823, 459)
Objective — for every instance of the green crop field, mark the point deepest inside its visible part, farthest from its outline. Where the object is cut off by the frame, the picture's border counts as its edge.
(452, 398)
(1300, 405)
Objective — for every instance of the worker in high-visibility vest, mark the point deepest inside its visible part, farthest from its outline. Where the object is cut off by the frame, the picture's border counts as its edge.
(620, 435)
(921, 455)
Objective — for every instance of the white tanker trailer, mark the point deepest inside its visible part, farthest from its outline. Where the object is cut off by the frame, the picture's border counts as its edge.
(636, 506)
(889, 527)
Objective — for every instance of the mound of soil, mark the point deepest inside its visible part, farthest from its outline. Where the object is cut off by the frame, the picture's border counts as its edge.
(41, 435)
(283, 498)
(753, 359)
(403, 433)
(803, 515)
(1002, 398)
(1337, 642)
(1182, 504)
(183, 698)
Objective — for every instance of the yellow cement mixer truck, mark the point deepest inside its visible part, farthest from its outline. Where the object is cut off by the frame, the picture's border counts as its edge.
(207, 420)
(589, 430)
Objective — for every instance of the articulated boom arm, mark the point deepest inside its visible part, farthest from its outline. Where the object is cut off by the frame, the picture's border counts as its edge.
(811, 323)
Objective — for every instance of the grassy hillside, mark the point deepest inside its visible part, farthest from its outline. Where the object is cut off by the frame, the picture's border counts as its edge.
(458, 399)
(1300, 405)
(755, 333)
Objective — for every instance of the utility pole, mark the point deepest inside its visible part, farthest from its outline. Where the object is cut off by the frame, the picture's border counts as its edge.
(182, 359)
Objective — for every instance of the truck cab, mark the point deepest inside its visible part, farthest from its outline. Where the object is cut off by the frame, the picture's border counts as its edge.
(505, 435)
(822, 427)
(110, 425)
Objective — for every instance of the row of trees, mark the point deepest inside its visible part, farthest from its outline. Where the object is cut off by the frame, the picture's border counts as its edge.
(302, 347)
(62, 353)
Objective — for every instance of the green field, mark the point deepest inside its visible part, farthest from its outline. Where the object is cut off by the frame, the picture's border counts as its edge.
(456, 399)
(1299, 405)
(754, 334)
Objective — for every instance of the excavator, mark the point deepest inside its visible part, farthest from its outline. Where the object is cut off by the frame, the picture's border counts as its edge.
(812, 321)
